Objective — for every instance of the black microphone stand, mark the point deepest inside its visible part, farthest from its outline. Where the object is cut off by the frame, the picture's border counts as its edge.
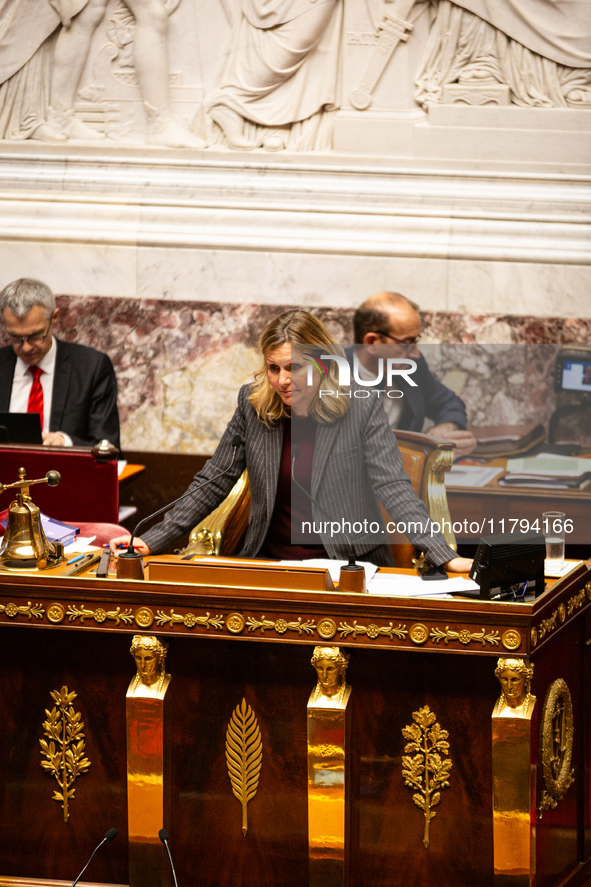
(352, 576)
(110, 835)
(132, 563)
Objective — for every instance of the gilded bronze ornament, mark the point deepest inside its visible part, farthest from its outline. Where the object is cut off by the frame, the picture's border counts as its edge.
(511, 639)
(28, 610)
(244, 756)
(465, 636)
(426, 770)
(372, 630)
(99, 614)
(189, 620)
(65, 749)
(235, 623)
(515, 677)
(514, 774)
(56, 613)
(144, 617)
(328, 789)
(556, 738)
(148, 752)
(280, 625)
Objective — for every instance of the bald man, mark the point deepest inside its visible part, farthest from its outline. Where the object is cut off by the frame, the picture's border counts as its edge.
(389, 325)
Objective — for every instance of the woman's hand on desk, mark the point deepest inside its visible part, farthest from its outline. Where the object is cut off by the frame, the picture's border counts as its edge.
(459, 565)
(118, 544)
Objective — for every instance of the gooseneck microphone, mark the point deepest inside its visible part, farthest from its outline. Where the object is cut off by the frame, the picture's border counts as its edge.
(163, 835)
(109, 836)
(131, 552)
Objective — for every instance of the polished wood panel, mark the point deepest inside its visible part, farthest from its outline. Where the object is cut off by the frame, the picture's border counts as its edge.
(268, 664)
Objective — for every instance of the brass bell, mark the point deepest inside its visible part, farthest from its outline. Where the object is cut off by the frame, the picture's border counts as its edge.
(25, 545)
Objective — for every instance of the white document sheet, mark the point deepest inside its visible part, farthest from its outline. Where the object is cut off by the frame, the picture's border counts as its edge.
(401, 585)
(470, 475)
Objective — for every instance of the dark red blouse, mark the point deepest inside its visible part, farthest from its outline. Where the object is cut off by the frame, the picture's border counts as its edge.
(292, 507)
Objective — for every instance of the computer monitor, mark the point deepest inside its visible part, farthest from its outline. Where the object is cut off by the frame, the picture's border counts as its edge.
(20, 428)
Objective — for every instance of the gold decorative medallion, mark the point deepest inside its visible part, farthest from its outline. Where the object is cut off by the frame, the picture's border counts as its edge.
(56, 613)
(65, 749)
(588, 590)
(144, 617)
(235, 623)
(244, 756)
(534, 637)
(419, 633)
(327, 628)
(426, 770)
(562, 612)
(511, 639)
(557, 732)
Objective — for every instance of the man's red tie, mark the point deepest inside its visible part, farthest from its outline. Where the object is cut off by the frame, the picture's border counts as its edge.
(35, 404)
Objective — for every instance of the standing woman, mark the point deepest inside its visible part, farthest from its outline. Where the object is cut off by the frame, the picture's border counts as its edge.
(346, 457)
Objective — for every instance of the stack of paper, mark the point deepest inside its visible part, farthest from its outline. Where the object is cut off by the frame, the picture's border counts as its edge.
(548, 471)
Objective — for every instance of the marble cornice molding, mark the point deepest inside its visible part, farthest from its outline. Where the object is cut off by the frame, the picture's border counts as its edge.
(259, 205)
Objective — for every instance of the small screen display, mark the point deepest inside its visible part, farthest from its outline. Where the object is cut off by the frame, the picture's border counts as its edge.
(576, 375)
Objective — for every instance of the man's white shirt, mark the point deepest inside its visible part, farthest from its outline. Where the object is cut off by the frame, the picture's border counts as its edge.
(392, 405)
(21, 387)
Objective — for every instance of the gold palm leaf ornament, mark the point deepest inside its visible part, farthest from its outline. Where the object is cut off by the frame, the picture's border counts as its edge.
(244, 756)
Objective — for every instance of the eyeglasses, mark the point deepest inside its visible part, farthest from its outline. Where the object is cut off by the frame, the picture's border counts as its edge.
(408, 342)
(34, 339)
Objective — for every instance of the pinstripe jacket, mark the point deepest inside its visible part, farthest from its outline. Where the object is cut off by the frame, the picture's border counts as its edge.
(356, 459)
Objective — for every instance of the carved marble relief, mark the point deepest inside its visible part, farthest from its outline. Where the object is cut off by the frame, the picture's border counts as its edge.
(245, 74)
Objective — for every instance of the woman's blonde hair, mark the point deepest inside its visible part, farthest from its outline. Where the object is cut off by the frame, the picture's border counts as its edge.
(299, 328)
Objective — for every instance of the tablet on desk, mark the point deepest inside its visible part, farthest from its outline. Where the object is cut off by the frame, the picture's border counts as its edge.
(20, 428)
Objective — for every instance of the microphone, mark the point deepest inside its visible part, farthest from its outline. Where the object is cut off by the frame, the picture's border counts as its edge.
(163, 835)
(347, 582)
(131, 552)
(109, 836)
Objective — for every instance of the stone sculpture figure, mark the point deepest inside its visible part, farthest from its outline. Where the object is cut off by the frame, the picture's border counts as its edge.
(50, 44)
(515, 677)
(149, 654)
(281, 69)
(330, 664)
(541, 51)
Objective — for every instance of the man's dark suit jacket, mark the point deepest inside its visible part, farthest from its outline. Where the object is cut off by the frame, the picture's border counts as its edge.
(84, 402)
(430, 399)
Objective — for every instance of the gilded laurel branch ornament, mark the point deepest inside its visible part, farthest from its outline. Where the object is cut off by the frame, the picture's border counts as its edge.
(281, 625)
(426, 770)
(65, 750)
(244, 756)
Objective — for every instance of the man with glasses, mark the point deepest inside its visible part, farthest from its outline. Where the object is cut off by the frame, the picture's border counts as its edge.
(72, 387)
(389, 325)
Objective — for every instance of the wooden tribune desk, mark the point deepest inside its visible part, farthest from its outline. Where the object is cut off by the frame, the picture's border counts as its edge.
(227, 644)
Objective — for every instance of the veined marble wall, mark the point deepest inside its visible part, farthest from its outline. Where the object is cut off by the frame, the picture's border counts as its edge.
(179, 365)
(182, 169)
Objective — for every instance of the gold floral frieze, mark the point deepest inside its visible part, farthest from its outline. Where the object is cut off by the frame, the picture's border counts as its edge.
(465, 636)
(189, 620)
(99, 614)
(425, 765)
(28, 610)
(281, 625)
(64, 746)
(244, 756)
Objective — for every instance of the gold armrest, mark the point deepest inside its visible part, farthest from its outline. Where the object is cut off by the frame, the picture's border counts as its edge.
(222, 530)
